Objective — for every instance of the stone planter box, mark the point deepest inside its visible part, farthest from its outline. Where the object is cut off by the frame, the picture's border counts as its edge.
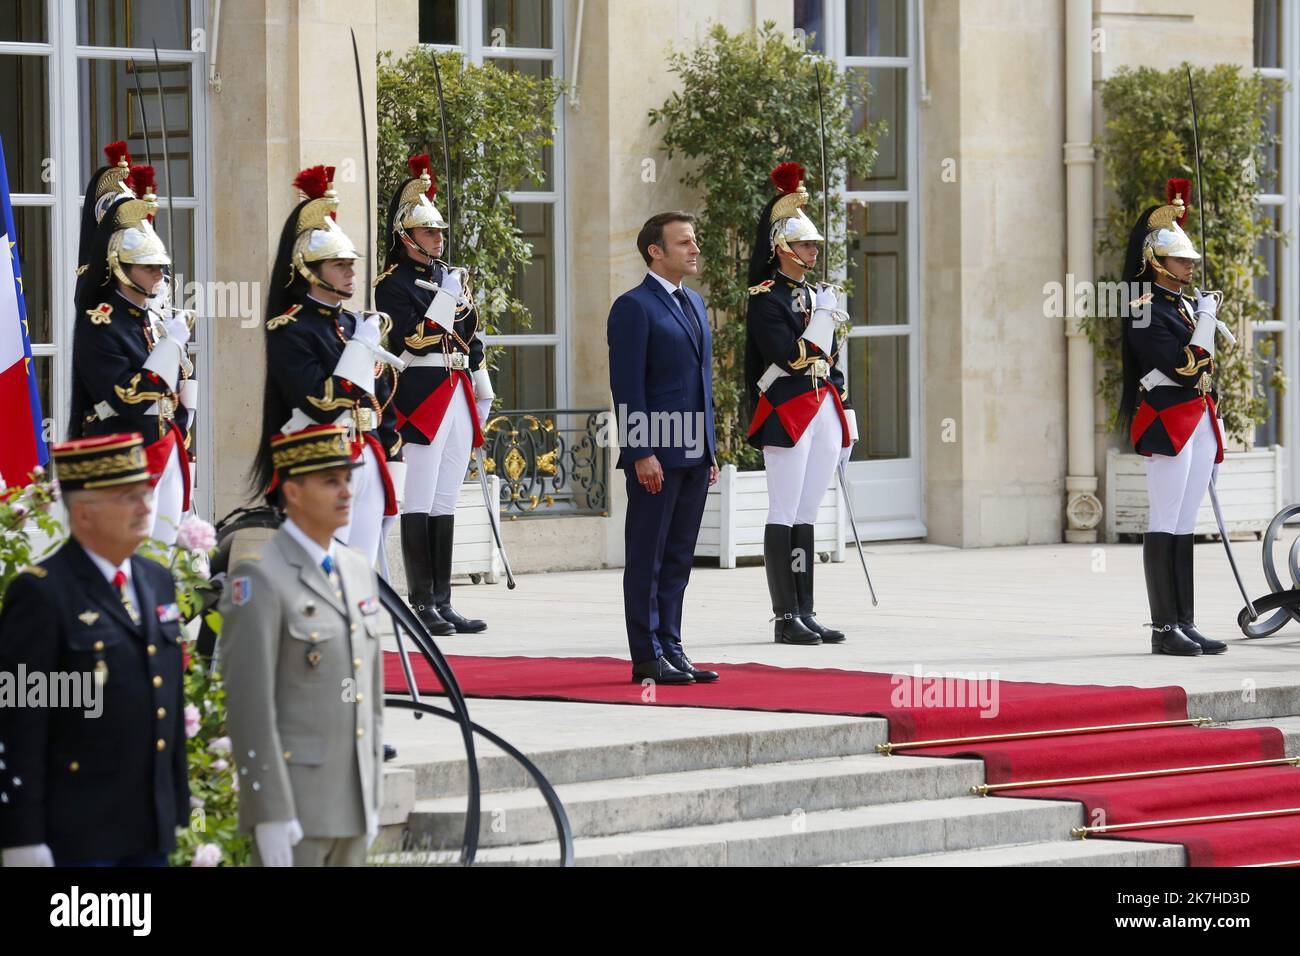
(736, 511)
(1249, 488)
(474, 552)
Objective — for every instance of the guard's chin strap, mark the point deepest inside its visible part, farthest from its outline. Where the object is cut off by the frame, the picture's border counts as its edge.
(794, 255)
(313, 279)
(408, 238)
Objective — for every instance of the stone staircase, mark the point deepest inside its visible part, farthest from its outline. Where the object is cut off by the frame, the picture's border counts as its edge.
(794, 796)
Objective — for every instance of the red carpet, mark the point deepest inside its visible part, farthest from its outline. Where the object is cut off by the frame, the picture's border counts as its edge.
(924, 710)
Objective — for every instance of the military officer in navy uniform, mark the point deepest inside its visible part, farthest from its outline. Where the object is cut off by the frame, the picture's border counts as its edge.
(326, 364)
(301, 661)
(1170, 404)
(444, 396)
(801, 421)
(130, 372)
(99, 782)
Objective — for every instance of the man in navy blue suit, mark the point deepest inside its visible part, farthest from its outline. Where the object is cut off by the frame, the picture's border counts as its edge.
(661, 377)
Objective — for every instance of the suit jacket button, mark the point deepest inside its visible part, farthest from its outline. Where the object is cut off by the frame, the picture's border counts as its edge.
(354, 628)
(157, 681)
(74, 766)
(361, 698)
(99, 646)
(161, 745)
(152, 649)
(356, 663)
(361, 732)
(162, 712)
(288, 754)
(314, 637)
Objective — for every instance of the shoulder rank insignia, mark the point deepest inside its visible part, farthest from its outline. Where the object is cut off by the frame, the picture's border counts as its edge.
(88, 618)
(764, 286)
(384, 275)
(34, 571)
(101, 314)
(280, 321)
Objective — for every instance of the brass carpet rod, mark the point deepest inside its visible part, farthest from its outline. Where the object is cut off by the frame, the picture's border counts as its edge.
(984, 789)
(891, 747)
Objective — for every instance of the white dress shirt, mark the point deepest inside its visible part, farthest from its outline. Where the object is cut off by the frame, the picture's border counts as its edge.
(314, 550)
(109, 570)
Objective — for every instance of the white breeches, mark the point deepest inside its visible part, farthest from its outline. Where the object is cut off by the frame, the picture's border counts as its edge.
(435, 472)
(1176, 485)
(797, 478)
(168, 496)
(365, 529)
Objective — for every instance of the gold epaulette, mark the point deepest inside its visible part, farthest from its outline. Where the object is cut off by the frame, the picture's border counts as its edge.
(764, 286)
(384, 275)
(280, 321)
(34, 570)
(101, 314)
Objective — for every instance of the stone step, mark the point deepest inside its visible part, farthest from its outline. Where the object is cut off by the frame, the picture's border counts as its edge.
(804, 839)
(609, 761)
(1053, 853)
(398, 798)
(1260, 704)
(1290, 727)
(697, 797)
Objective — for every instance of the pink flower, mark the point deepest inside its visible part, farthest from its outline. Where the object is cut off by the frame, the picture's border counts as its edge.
(195, 534)
(37, 473)
(208, 854)
(219, 745)
(20, 511)
(192, 719)
(234, 784)
(220, 764)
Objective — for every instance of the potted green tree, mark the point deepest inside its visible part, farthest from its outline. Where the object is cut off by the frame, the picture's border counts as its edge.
(1147, 140)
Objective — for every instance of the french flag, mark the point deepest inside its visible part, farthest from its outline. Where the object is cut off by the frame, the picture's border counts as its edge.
(22, 444)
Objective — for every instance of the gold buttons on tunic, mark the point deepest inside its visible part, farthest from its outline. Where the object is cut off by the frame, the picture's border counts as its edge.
(157, 681)
(361, 732)
(162, 712)
(356, 663)
(314, 637)
(74, 766)
(288, 754)
(152, 650)
(361, 698)
(161, 745)
(99, 646)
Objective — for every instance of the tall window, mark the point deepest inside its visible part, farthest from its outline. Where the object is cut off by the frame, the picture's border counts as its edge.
(1274, 339)
(68, 75)
(524, 36)
(875, 40)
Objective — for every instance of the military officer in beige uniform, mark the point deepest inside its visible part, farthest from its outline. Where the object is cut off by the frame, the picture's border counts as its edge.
(300, 655)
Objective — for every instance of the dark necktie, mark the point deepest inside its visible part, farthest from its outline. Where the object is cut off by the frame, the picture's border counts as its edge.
(688, 310)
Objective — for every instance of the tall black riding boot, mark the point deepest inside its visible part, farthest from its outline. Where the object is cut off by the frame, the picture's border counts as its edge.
(1185, 584)
(780, 585)
(417, 556)
(802, 557)
(442, 529)
(1158, 562)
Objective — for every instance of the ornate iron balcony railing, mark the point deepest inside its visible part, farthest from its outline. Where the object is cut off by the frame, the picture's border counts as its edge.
(550, 461)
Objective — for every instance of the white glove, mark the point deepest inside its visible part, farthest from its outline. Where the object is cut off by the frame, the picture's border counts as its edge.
(451, 283)
(1205, 302)
(484, 410)
(368, 331)
(178, 329)
(397, 473)
(825, 298)
(275, 841)
(38, 855)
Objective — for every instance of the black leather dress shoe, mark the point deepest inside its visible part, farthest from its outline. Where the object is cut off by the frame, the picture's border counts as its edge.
(660, 671)
(1170, 640)
(433, 621)
(389, 752)
(683, 664)
(1208, 644)
(462, 624)
(827, 634)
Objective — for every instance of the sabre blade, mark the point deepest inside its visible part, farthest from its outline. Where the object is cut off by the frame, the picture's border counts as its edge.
(853, 523)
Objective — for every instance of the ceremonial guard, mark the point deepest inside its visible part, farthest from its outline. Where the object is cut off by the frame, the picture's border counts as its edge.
(801, 419)
(94, 772)
(1169, 401)
(325, 364)
(130, 372)
(444, 395)
(300, 659)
